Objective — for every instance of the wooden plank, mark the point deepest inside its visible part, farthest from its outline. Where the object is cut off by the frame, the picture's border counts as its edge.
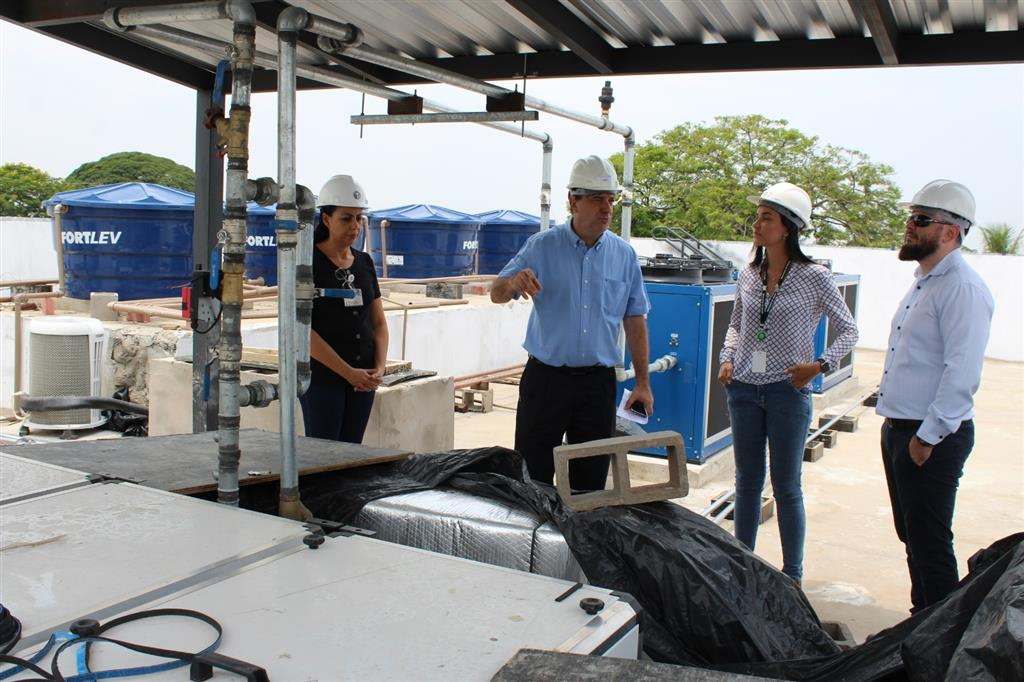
(185, 463)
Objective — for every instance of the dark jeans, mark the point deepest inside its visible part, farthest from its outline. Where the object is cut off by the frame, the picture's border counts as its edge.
(336, 412)
(776, 415)
(578, 404)
(923, 498)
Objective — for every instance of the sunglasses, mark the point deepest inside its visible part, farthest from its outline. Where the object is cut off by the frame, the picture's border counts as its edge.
(919, 220)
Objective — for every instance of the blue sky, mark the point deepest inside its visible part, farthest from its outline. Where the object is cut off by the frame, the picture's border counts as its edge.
(61, 106)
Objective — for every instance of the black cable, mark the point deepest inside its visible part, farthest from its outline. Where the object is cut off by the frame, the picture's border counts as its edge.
(10, 630)
(213, 324)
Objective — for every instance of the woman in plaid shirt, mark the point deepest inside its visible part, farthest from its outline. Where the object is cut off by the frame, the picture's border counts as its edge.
(767, 362)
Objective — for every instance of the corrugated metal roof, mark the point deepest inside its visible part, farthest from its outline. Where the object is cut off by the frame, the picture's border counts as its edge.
(547, 38)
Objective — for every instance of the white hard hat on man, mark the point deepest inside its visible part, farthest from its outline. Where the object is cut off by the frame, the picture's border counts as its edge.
(593, 174)
(342, 190)
(945, 195)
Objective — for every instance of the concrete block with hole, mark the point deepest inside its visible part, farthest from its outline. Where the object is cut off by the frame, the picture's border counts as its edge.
(622, 491)
(814, 451)
(828, 438)
(846, 423)
(475, 399)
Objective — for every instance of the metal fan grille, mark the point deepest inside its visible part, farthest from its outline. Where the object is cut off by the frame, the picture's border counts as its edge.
(59, 365)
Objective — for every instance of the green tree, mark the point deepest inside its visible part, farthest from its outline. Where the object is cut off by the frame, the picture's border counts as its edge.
(23, 189)
(133, 167)
(1001, 238)
(698, 177)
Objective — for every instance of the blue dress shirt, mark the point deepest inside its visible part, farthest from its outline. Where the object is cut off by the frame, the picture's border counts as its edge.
(585, 293)
(936, 349)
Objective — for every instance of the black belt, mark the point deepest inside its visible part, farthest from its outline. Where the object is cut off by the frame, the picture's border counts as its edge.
(571, 371)
(903, 423)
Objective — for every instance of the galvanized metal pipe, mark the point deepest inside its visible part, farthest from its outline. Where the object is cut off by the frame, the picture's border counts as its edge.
(441, 75)
(235, 131)
(304, 287)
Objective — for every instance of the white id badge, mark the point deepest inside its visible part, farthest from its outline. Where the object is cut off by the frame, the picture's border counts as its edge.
(355, 301)
(759, 363)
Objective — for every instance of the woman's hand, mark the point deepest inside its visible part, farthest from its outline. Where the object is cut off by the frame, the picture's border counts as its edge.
(725, 374)
(800, 375)
(363, 379)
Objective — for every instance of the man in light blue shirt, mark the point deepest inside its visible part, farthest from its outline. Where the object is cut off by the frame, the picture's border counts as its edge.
(585, 282)
(932, 370)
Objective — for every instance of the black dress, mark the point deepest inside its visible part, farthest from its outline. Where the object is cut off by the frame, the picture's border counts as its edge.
(346, 329)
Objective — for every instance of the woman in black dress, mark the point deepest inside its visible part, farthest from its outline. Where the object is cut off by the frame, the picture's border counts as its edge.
(349, 340)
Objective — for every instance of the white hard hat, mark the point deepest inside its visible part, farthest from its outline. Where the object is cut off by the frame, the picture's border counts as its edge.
(594, 174)
(342, 190)
(788, 196)
(945, 195)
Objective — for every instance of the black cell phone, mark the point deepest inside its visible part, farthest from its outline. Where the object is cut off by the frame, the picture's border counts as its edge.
(638, 408)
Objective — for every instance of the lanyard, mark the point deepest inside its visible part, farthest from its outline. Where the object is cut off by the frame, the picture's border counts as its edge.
(768, 302)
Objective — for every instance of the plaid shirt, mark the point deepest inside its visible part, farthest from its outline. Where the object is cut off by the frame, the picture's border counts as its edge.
(807, 293)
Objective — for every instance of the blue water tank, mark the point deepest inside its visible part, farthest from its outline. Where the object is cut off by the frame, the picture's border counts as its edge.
(261, 244)
(424, 241)
(502, 234)
(132, 238)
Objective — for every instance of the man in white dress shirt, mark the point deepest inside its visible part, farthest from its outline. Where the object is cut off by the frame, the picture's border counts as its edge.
(932, 370)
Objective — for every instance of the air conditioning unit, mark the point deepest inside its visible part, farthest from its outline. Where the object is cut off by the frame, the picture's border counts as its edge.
(64, 356)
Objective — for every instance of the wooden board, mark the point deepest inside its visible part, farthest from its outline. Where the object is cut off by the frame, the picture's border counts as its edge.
(185, 463)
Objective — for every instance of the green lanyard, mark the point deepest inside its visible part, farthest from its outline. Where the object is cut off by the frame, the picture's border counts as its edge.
(768, 302)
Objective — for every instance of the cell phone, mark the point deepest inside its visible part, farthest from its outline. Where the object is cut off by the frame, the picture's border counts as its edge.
(638, 408)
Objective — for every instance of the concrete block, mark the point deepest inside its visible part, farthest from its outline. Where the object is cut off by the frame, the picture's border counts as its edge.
(403, 288)
(814, 451)
(98, 309)
(444, 290)
(871, 400)
(622, 492)
(840, 634)
(767, 508)
(828, 438)
(475, 399)
(846, 423)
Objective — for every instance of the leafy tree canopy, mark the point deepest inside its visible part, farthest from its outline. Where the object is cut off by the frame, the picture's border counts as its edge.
(132, 167)
(23, 189)
(698, 177)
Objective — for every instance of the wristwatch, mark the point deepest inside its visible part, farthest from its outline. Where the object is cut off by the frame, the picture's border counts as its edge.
(825, 366)
(924, 443)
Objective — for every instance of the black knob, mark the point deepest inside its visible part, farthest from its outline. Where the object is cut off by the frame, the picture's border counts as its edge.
(313, 540)
(86, 627)
(591, 605)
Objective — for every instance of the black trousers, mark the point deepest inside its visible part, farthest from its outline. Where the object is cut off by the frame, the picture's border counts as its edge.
(575, 403)
(336, 412)
(923, 498)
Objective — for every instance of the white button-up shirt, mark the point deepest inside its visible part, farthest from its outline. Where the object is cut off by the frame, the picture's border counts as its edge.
(936, 349)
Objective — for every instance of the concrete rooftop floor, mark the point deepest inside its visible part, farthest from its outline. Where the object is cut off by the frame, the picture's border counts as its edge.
(855, 568)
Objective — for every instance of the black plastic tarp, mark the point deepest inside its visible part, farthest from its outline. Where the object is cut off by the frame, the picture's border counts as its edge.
(706, 600)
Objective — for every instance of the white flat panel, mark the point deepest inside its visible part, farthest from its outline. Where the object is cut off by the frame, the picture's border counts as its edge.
(22, 478)
(363, 609)
(104, 548)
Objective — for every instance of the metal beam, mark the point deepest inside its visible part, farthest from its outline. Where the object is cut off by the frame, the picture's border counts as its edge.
(568, 29)
(878, 17)
(41, 13)
(130, 53)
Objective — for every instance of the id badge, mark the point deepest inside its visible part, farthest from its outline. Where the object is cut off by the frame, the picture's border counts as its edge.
(355, 301)
(759, 363)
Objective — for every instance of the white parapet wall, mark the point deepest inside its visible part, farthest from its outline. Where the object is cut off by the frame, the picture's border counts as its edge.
(885, 279)
(27, 251)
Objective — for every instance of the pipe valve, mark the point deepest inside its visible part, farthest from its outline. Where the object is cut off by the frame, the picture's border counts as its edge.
(606, 98)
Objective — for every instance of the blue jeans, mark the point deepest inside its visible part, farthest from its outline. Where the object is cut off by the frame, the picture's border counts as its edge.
(777, 414)
(336, 412)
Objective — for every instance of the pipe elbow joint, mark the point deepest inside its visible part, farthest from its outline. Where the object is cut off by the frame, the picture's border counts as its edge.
(111, 22)
(240, 12)
(292, 20)
(305, 200)
(264, 191)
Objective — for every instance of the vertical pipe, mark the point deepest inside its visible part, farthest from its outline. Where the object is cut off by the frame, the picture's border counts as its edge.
(627, 186)
(235, 130)
(304, 291)
(384, 248)
(287, 221)
(545, 187)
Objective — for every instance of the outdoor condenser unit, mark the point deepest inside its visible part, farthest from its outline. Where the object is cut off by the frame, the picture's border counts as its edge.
(64, 360)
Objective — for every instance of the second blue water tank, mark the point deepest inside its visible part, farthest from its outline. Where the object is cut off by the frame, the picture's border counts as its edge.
(502, 234)
(424, 241)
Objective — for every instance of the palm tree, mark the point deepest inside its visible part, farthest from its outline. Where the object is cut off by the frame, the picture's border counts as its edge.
(1001, 238)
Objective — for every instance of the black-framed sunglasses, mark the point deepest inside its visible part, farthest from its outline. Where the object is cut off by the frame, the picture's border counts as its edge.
(921, 220)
